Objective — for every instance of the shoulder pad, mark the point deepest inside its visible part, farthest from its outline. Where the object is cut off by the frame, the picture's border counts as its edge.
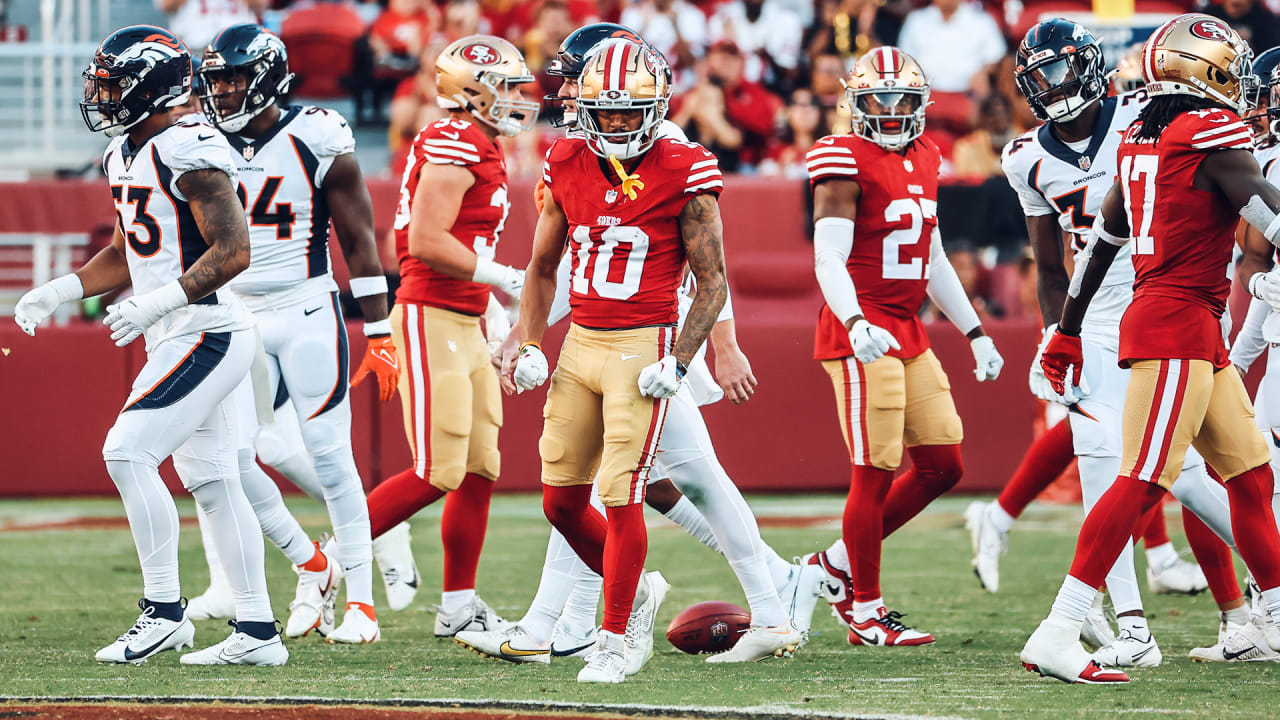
(325, 131)
(195, 146)
(680, 154)
(564, 148)
(1210, 129)
(453, 142)
(832, 157)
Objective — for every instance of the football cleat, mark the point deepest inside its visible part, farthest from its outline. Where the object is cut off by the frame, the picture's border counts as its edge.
(1096, 631)
(1245, 643)
(886, 630)
(148, 636)
(511, 643)
(759, 643)
(607, 662)
(569, 642)
(358, 627)
(241, 649)
(1130, 651)
(1177, 576)
(988, 545)
(836, 587)
(804, 586)
(394, 554)
(1054, 650)
(475, 615)
(314, 600)
(639, 636)
(215, 603)
(1226, 628)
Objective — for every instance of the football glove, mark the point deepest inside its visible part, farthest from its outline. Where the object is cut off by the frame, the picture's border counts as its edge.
(38, 304)
(531, 368)
(1266, 287)
(1038, 383)
(496, 325)
(503, 277)
(1063, 362)
(380, 359)
(661, 380)
(870, 342)
(987, 358)
(131, 317)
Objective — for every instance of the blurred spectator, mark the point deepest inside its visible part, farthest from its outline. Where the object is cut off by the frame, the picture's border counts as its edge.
(845, 28)
(197, 21)
(1251, 19)
(1006, 86)
(732, 116)
(552, 24)
(461, 18)
(413, 107)
(1028, 287)
(956, 43)
(977, 155)
(677, 29)
(767, 33)
(803, 128)
(826, 79)
(400, 32)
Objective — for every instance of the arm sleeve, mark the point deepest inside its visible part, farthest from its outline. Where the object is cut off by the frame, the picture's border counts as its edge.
(560, 301)
(832, 244)
(1249, 344)
(946, 291)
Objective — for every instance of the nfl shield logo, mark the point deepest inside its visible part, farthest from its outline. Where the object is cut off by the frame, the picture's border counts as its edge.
(1085, 162)
(247, 152)
(907, 164)
(610, 196)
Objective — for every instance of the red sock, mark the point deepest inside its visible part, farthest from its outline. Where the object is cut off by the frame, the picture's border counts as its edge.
(569, 510)
(625, 546)
(1046, 459)
(862, 528)
(1109, 525)
(1254, 525)
(462, 528)
(1214, 557)
(1156, 531)
(397, 498)
(937, 469)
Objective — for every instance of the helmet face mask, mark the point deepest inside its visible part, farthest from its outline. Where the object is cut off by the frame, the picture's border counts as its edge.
(1060, 70)
(481, 75)
(622, 76)
(510, 114)
(245, 70)
(137, 71)
(887, 95)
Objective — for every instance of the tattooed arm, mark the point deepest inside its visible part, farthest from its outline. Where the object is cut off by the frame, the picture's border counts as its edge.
(702, 233)
(220, 217)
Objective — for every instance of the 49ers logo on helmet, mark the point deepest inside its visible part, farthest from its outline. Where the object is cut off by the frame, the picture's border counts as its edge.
(1210, 30)
(480, 54)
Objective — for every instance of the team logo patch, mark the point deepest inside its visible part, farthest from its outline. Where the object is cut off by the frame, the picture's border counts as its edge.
(1210, 30)
(480, 54)
(907, 164)
(247, 152)
(720, 630)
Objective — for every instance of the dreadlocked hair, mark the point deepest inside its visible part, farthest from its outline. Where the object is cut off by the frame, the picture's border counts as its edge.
(1162, 109)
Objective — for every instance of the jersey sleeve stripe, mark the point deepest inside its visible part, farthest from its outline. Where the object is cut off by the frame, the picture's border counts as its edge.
(1232, 127)
(713, 172)
(452, 153)
(703, 163)
(824, 172)
(437, 160)
(823, 164)
(469, 147)
(704, 186)
(832, 161)
(1243, 139)
(830, 154)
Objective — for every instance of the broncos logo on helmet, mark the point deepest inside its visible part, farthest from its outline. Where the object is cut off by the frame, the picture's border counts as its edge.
(136, 72)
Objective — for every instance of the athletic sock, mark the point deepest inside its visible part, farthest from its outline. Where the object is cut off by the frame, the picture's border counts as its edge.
(318, 561)
(838, 556)
(348, 508)
(581, 608)
(1160, 555)
(560, 569)
(1214, 558)
(1254, 526)
(1109, 526)
(862, 528)
(454, 600)
(257, 630)
(1156, 531)
(937, 468)
(275, 520)
(1000, 518)
(462, 530)
(568, 508)
(1074, 599)
(779, 569)
(397, 498)
(1046, 459)
(165, 610)
(625, 548)
(153, 521)
(685, 514)
(1236, 615)
(864, 611)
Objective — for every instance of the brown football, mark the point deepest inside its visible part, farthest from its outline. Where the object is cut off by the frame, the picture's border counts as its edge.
(708, 627)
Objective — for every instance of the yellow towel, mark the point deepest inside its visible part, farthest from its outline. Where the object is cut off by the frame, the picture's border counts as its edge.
(630, 183)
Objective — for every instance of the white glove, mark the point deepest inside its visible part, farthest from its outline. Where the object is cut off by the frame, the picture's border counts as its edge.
(1038, 383)
(987, 358)
(503, 277)
(660, 380)
(531, 368)
(37, 305)
(870, 342)
(1266, 287)
(496, 325)
(131, 317)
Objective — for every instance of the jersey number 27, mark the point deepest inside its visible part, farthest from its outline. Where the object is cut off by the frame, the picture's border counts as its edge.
(917, 212)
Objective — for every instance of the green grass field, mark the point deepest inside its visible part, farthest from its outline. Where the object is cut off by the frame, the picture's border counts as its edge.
(65, 593)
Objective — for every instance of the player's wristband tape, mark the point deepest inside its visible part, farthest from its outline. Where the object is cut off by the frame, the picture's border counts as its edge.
(377, 327)
(530, 343)
(366, 286)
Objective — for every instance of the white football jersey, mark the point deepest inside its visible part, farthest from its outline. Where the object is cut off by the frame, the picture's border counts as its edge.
(1267, 160)
(1053, 179)
(281, 175)
(162, 239)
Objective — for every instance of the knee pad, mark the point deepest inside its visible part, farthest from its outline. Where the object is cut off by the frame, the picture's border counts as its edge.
(196, 472)
(337, 473)
(310, 367)
(118, 446)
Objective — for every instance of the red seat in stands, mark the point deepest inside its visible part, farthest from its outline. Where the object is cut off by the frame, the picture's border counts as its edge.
(321, 39)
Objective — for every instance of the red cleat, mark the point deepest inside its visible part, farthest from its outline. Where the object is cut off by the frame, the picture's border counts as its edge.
(837, 587)
(886, 630)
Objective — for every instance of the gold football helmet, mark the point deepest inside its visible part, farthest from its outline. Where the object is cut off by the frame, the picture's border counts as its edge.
(623, 75)
(1199, 55)
(482, 74)
(887, 93)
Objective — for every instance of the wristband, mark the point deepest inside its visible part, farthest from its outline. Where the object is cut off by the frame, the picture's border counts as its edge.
(1253, 283)
(681, 370)
(171, 296)
(68, 287)
(366, 286)
(377, 327)
(490, 272)
(530, 343)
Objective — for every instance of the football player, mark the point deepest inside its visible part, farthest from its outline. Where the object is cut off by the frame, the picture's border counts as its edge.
(634, 207)
(298, 170)
(453, 204)
(180, 238)
(1186, 175)
(877, 252)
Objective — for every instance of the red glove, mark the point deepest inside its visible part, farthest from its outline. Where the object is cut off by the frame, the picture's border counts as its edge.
(1061, 356)
(380, 359)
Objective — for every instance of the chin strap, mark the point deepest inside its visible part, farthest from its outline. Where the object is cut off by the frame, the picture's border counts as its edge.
(630, 183)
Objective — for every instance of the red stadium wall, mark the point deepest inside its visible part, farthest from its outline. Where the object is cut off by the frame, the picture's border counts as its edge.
(63, 388)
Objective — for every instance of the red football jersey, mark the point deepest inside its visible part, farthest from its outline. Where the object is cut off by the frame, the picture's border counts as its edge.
(627, 255)
(892, 232)
(1182, 239)
(480, 218)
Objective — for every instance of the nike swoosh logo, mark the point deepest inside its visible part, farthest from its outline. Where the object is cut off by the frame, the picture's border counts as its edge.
(626, 357)
(225, 656)
(387, 357)
(308, 312)
(868, 640)
(833, 588)
(450, 135)
(204, 137)
(506, 649)
(131, 655)
(1147, 649)
(1226, 655)
(570, 651)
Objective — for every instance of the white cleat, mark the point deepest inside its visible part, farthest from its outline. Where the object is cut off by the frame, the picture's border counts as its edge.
(804, 587)
(357, 628)
(570, 642)
(394, 554)
(639, 636)
(313, 601)
(475, 615)
(1246, 643)
(759, 643)
(1096, 631)
(1178, 576)
(607, 662)
(988, 545)
(1130, 651)
(1054, 650)
(215, 603)
(1226, 628)
(241, 649)
(511, 643)
(148, 636)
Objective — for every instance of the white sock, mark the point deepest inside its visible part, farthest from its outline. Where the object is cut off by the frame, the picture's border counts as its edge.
(1161, 555)
(1074, 600)
(1136, 625)
(838, 556)
(217, 578)
(864, 611)
(762, 597)
(1236, 615)
(277, 523)
(153, 520)
(239, 546)
(779, 569)
(349, 513)
(581, 608)
(559, 571)
(686, 515)
(999, 517)
(453, 600)
(1271, 603)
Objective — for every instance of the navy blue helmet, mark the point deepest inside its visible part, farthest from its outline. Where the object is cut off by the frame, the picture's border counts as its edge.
(136, 72)
(1059, 69)
(247, 59)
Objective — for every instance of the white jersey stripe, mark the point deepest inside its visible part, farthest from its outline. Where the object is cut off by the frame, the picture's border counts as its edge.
(433, 142)
(1166, 395)
(1231, 127)
(416, 340)
(832, 162)
(705, 186)
(829, 151)
(1244, 139)
(821, 172)
(713, 172)
(443, 160)
(702, 163)
(452, 153)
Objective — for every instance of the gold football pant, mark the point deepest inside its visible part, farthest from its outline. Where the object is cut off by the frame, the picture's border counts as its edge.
(595, 416)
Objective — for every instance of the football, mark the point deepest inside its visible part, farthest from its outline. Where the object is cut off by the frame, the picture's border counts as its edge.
(708, 627)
